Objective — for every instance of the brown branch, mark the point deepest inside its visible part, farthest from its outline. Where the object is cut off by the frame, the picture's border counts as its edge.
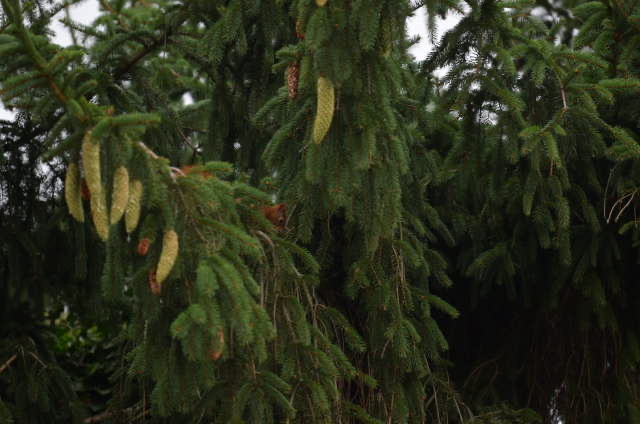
(8, 363)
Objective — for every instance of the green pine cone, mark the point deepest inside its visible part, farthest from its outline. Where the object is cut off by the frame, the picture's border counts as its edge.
(72, 192)
(120, 194)
(324, 110)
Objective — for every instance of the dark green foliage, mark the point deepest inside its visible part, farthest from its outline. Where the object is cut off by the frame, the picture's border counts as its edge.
(460, 249)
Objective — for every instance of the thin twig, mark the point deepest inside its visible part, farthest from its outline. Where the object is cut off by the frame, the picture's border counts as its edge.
(625, 206)
(564, 99)
(620, 200)
(8, 363)
(148, 150)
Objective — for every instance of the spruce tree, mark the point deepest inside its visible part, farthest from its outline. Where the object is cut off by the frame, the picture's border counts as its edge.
(460, 249)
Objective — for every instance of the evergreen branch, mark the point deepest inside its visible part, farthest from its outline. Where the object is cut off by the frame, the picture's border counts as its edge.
(72, 32)
(173, 170)
(161, 40)
(118, 16)
(13, 9)
(118, 413)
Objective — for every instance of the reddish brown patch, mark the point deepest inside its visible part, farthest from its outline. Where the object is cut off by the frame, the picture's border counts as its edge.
(84, 190)
(293, 77)
(143, 246)
(189, 170)
(277, 214)
(155, 287)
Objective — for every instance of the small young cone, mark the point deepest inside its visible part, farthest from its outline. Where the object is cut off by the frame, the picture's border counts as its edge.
(143, 246)
(167, 256)
(324, 110)
(293, 77)
(132, 212)
(321, 3)
(155, 287)
(91, 164)
(99, 214)
(120, 194)
(73, 192)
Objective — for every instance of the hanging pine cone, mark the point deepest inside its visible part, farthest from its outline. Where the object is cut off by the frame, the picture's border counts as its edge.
(324, 109)
(99, 214)
(167, 256)
(120, 194)
(321, 3)
(91, 164)
(293, 78)
(72, 192)
(132, 213)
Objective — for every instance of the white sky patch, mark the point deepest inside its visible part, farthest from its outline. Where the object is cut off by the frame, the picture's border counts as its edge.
(417, 25)
(84, 12)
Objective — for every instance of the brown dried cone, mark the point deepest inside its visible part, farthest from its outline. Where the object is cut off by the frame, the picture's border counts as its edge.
(324, 109)
(91, 164)
(293, 77)
(132, 212)
(167, 256)
(143, 246)
(120, 194)
(99, 214)
(321, 3)
(73, 192)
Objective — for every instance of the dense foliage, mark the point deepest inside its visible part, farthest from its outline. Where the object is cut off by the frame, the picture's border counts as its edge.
(460, 249)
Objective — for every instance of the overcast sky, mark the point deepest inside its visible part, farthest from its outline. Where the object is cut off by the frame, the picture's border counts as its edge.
(86, 11)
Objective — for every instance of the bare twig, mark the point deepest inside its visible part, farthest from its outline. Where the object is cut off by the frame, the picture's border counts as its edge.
(564, 99)
(619, 201)
(625, 206)
(148, 150)
(8, 363)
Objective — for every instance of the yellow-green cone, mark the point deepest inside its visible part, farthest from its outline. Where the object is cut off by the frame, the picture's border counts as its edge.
(120, 194)
(99, 213)
(91, 163)
(324, 110)
(321, 3)
(72, 192)
(167, 256)
(132, 213)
